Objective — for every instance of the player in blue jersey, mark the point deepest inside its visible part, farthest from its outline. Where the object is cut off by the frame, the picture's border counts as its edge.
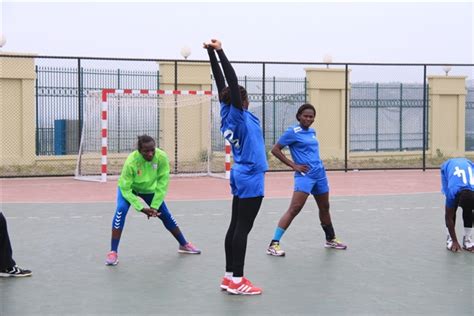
(242, 129)
(457, 181)
(310, 178)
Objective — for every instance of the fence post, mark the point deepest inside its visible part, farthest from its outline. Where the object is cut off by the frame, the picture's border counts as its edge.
(401, 116)
(424, 118)
(346, 107)
(37, 143)
(274, 110)
(176, 117)
(263, 104)
(376, 117)
(79, 95)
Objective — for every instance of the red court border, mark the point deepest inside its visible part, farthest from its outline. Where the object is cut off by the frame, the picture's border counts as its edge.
(277, 185)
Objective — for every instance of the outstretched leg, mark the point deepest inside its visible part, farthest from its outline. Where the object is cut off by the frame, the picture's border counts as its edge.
(322, 200)
(118, 222)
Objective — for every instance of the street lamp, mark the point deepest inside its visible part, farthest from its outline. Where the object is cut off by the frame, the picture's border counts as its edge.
(327, 59)
(185, 52)
(3, 40)
(447, 69)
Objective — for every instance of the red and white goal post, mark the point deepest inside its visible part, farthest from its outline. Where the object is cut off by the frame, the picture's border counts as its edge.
(184, 123)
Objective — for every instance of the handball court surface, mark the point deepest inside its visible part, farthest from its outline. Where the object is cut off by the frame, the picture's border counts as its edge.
(393, 222)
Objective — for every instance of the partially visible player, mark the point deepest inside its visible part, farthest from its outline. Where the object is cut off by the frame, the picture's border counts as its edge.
(242, 129)
(310, 178)
(145, 175)
(8, 267)
(457, 181)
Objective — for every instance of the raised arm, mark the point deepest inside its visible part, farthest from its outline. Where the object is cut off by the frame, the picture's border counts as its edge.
(229, 73)
(216, 70)
(231, 78)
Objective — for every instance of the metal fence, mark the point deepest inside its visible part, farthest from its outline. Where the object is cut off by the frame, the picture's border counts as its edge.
(388, 106)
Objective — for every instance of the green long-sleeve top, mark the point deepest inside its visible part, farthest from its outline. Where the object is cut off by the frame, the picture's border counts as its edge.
(142, 176)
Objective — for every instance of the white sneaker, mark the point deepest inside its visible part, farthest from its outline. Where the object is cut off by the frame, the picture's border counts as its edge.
(449, 242)
(275, 250)
(467, 243)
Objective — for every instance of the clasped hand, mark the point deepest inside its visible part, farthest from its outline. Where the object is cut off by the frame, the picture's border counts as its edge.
(151, 212)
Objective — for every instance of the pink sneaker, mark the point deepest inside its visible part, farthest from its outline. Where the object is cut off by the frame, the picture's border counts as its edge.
(225, 283)
(336, 244)
(245, 287)
(189, 248)
(112, 259)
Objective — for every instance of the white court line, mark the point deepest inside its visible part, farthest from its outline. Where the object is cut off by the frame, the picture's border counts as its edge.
(419, 208)
(388, 208)
(356, 210)
(33, 217)
(76, 217)
(198, 214)
(404, 208)
(217, 214)
(96, 216)
(339, 211)
(371, 209)
(54, 217)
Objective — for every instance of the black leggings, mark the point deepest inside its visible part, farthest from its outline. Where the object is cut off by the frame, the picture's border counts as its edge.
(467, 217)
(244, 212)
(6, 260)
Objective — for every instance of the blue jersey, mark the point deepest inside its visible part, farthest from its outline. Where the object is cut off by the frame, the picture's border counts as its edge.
(304, 149)
(457, 174)
(242, 129)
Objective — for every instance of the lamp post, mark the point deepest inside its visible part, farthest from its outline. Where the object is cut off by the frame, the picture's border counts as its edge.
(447, 69)
(327, 59)
(185, 52)
(3, 40)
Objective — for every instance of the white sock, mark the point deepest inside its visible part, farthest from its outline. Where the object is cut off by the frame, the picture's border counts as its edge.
(236, 280)
(467, 231)
(228, 275)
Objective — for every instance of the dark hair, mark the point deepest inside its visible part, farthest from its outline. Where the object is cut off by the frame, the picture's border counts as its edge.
(144, 139)
(466, 199)
(305, 106)
(225, 95)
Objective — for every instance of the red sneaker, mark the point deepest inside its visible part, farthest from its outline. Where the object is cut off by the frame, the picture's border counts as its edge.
(225, 283)
(245, 287)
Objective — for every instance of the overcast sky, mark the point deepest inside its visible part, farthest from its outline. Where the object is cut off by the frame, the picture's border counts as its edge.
(284, 31)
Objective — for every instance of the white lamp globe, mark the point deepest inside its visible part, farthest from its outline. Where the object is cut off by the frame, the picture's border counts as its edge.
(3, 40)
(185, 52)
(447, 69)
(327, 59)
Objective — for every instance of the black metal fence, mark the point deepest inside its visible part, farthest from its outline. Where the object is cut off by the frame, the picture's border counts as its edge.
(387, 104)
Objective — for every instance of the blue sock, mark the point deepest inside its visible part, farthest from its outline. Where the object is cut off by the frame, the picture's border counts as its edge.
(278, 233)
(180, 237)
(115, 244)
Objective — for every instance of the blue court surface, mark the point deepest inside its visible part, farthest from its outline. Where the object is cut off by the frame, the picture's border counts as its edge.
(396, 262)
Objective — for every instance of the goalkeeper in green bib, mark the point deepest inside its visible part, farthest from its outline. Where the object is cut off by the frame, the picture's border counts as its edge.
(145, 175)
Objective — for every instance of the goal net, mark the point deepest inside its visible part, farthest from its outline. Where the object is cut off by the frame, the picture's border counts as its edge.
(185, 124)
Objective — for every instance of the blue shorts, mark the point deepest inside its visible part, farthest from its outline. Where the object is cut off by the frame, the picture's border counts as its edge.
(310, 185)
(247, 185)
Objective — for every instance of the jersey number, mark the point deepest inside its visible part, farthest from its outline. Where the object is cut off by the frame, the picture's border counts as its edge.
(462, 174)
